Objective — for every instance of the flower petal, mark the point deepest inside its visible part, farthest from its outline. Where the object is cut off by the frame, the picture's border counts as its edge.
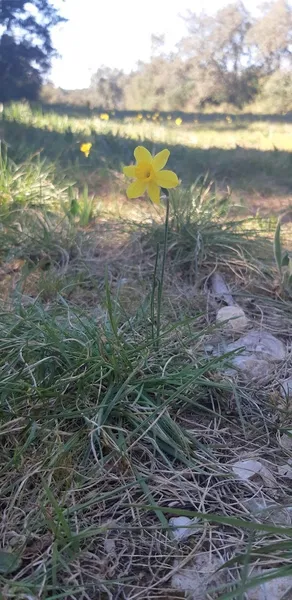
(136, 189)
(142, 155)
(166, 179)
(130, 171)
(154, 192)
(160, 159)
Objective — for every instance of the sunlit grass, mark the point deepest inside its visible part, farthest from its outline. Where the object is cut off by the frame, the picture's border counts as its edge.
(226, 133)
(251, 156)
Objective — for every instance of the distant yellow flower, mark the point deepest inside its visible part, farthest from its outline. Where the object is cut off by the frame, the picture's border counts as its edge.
(104, 117)
(149, 175)
(139, 117)
(85, 148)
(178, 121)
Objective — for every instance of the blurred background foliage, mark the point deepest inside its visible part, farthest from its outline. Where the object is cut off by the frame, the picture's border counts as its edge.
(231, 58)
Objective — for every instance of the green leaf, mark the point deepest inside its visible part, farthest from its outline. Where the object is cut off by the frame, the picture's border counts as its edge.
(74, 207)
(285, 260)
(9, 562)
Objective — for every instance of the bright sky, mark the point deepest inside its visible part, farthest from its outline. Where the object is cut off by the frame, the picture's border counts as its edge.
(116, 33)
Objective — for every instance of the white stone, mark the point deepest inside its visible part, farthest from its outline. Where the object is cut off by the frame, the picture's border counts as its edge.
(183, 527)
(200, 575)
(275, 589)
(286, 441)
(262, 344)
(268, 511)
(220, 289)
(110, 546)
(233, 317)
(247, 469)
(251, 366)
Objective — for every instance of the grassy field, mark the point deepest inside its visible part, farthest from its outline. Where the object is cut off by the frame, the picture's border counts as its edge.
(249, 153)
(114, 416)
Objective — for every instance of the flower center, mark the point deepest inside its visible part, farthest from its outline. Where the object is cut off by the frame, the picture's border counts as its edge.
(144, 171)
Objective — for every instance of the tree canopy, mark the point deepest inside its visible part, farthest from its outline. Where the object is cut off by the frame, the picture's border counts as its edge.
(25, 46)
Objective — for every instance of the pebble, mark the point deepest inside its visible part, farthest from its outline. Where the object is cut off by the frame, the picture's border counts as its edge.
(233, 317)
(183, 527)
(262, 344)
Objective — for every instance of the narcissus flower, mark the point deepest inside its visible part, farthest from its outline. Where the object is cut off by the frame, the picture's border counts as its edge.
(178, 121)
(149, 175)
(85, 148)
(104, 117)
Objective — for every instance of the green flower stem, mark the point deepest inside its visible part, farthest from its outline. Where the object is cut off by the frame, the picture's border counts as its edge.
(152, 305)
(161, 280)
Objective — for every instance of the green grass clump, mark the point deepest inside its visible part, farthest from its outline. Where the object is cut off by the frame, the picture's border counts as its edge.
(30, 183)
(203, 232)
(54, 359)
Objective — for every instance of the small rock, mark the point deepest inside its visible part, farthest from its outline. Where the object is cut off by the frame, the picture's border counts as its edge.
(286, 388)
(262, 344)
(268, 511)
(220, 289)
(286, 441)
(251, 366)
(183, 527)
(233, 317)
(209, 348)
(248, 469)
(200, 575)
(110, 546)
(275, 589)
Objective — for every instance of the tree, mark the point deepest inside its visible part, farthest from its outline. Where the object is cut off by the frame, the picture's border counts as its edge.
(271, 37)
(217, 53)
(106, 87)
(25, 46)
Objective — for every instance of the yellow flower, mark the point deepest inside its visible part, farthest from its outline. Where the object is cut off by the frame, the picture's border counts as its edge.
(104, 117)
(149, 175)
(85, 148)
(178, 121)
(139, 117)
